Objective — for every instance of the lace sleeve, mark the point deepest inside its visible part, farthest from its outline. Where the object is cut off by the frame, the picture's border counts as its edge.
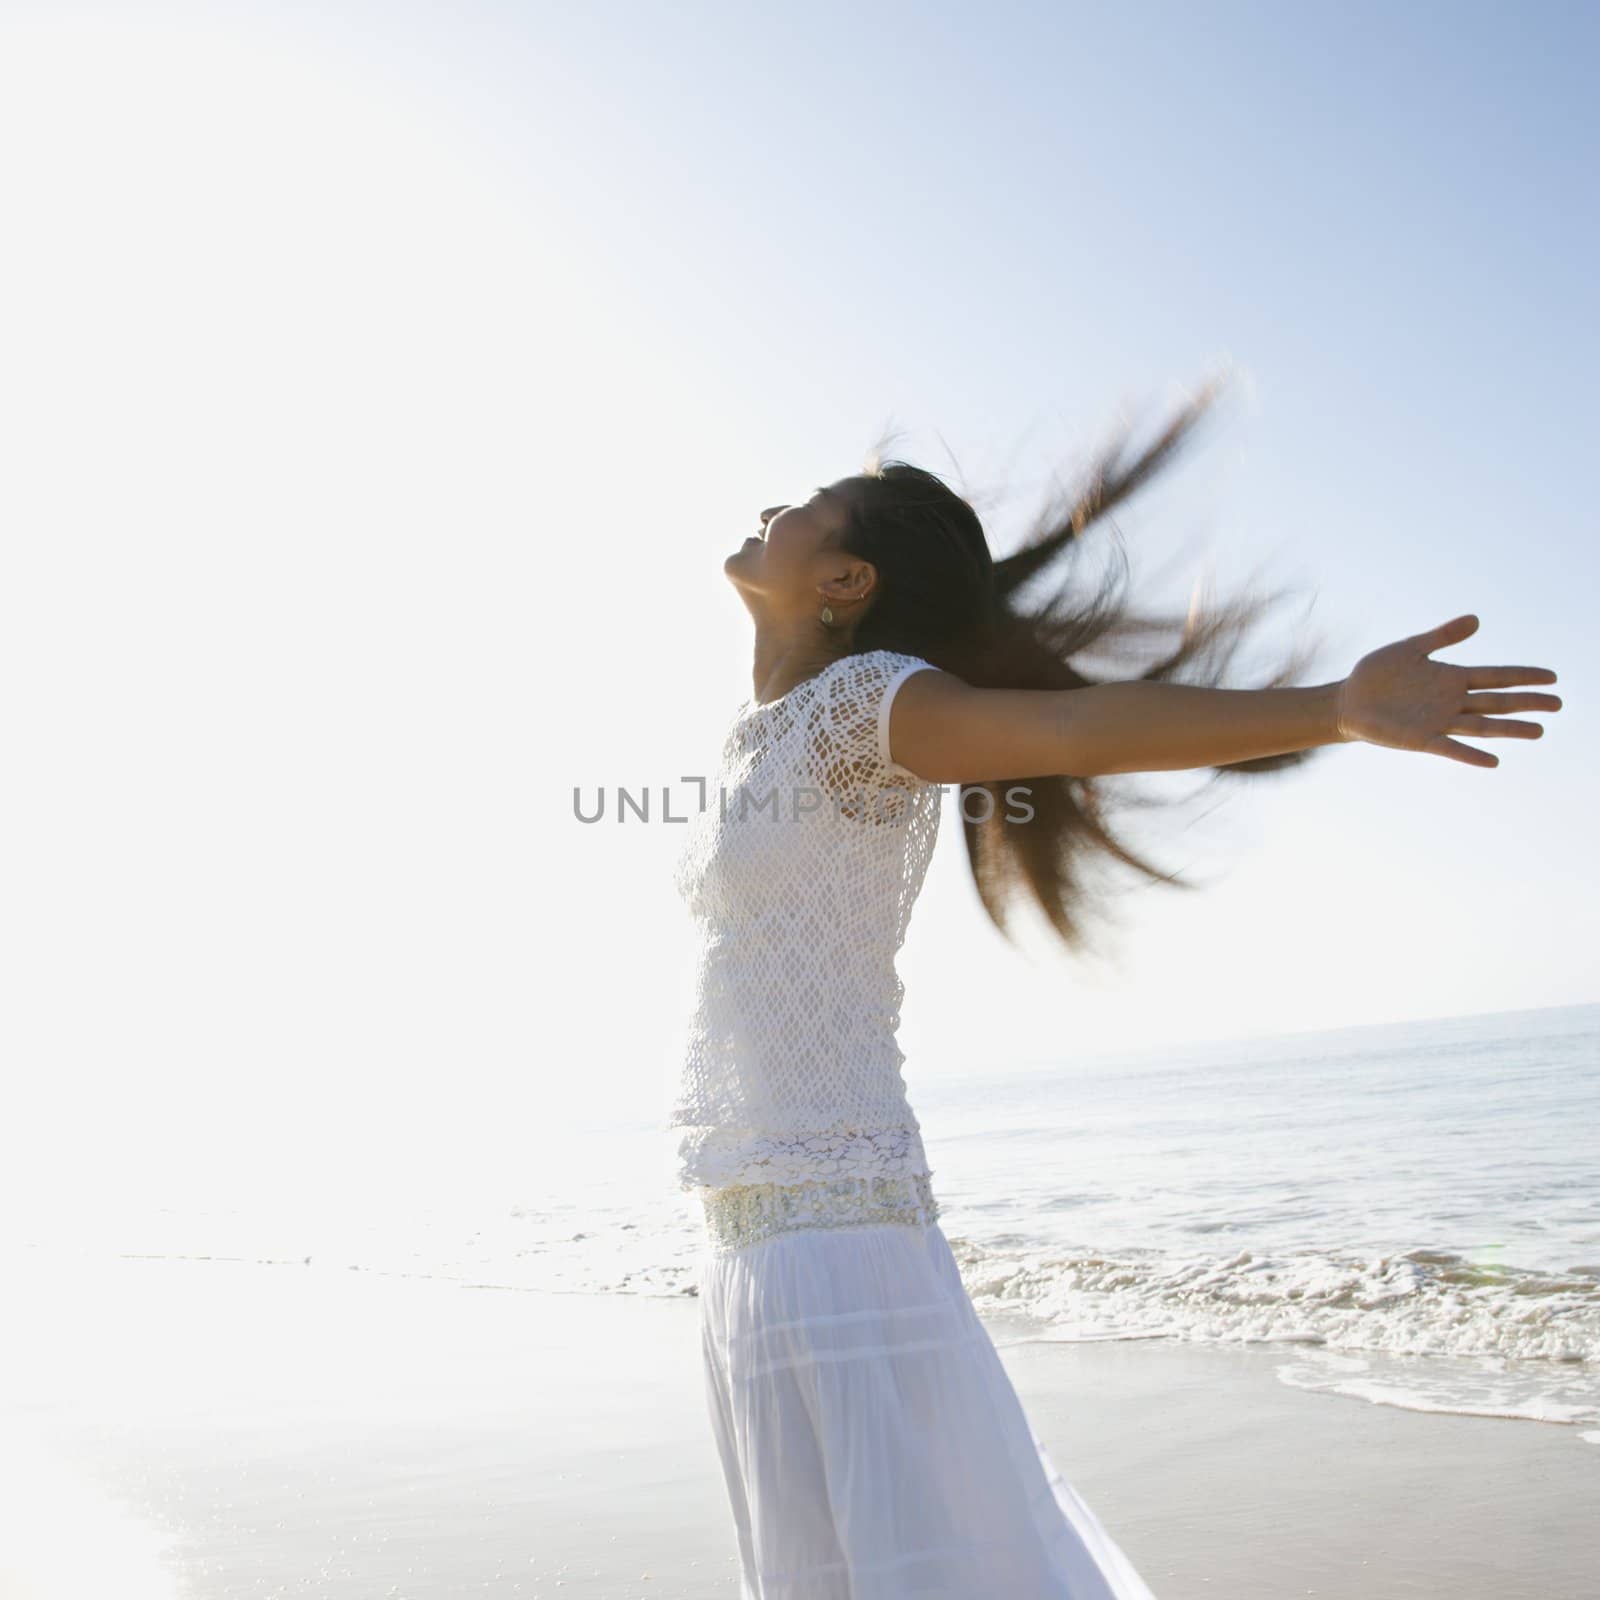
(853, 730)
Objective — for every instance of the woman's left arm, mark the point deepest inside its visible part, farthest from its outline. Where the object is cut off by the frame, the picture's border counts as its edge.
(946, 731)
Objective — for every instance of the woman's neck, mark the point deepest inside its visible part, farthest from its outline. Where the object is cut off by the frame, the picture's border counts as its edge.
(783, 662)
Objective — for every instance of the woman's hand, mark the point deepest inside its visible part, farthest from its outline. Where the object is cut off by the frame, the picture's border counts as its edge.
(1397, 697)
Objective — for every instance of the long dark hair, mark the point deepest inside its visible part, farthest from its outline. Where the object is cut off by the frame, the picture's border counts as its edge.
(940, 595)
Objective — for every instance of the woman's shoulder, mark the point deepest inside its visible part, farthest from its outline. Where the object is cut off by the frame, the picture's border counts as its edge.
(852, 721)
(866, 680)
(858, 689)
(879, 663)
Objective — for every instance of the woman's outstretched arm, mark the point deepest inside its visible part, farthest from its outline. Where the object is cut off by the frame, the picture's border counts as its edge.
(946, 731)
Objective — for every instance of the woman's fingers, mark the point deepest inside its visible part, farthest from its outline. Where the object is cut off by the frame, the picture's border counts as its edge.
(1396, 696)
(1512, 702)
(1505, 677)
(1447, 633)
(1495, 727)
(1442, 746)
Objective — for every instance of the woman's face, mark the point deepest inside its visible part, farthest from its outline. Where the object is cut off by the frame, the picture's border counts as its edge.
(794, 553)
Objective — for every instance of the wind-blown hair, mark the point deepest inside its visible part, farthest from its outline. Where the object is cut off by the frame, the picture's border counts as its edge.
(940, 595)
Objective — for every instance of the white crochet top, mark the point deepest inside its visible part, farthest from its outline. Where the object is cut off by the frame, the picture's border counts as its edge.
(800, 871)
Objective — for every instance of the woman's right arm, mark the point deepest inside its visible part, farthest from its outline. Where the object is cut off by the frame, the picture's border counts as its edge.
(947, 731)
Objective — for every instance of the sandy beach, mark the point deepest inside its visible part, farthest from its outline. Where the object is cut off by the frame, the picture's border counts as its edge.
(215, 1428)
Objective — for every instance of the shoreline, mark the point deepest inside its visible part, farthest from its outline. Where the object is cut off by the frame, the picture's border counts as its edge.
(214, 1429)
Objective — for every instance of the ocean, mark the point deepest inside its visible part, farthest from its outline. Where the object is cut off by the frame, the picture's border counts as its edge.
(1406, 1213)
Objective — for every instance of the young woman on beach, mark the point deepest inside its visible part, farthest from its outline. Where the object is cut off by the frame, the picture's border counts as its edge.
(873, 1445)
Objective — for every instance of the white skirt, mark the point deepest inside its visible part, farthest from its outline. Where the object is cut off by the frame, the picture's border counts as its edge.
(873, 1444)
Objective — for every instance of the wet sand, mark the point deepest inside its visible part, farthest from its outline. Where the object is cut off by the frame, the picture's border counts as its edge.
(209, 1429)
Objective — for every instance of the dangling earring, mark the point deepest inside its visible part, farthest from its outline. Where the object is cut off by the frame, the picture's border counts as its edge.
(827, 616)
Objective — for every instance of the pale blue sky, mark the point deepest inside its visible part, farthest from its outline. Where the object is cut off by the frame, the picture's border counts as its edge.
(387, 384)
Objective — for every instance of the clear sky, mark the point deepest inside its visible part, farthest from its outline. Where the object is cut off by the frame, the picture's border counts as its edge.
(384, 385)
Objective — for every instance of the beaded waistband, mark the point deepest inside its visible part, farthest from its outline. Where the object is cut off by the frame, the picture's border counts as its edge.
(742, 1214)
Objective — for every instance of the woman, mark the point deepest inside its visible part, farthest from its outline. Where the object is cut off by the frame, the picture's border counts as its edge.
(873, 1445)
